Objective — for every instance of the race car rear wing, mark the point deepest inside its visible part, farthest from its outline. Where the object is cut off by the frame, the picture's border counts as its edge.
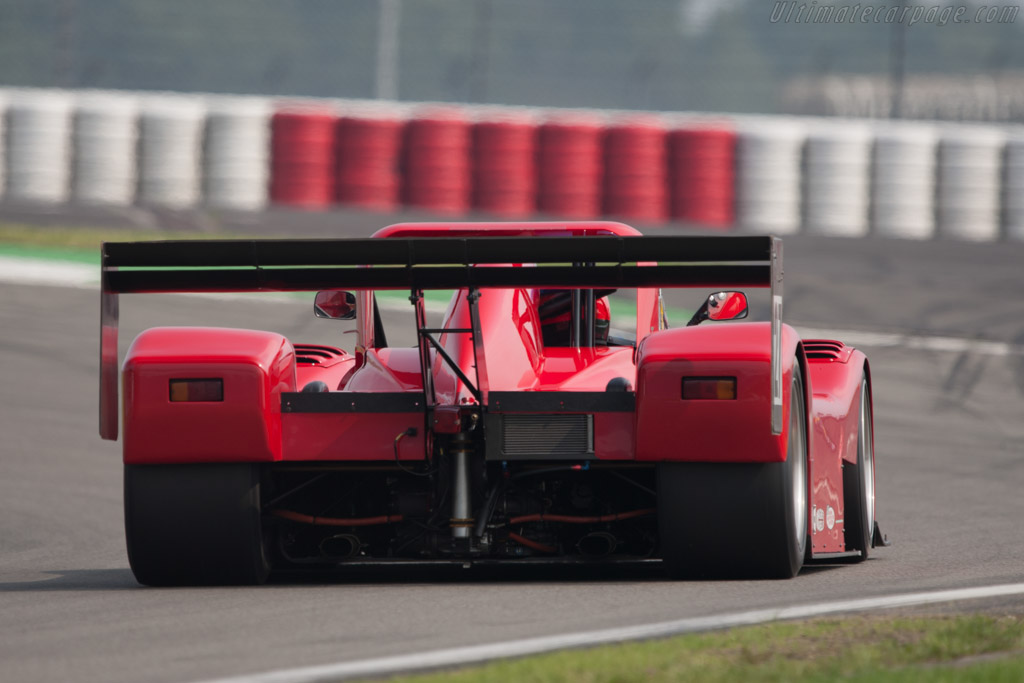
(433, 263)
(422, 263)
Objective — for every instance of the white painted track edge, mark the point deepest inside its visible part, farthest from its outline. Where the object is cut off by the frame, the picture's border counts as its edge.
(476, 654)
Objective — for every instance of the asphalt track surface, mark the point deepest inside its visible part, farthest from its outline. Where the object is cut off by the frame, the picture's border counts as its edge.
(950, 460)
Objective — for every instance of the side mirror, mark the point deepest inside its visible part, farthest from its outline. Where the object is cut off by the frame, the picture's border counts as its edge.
(335, 305)
(721, 306)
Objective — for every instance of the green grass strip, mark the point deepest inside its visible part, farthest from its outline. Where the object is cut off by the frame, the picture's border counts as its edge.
(81, 244)
(52, 253)
(863, 649)
(86, 238)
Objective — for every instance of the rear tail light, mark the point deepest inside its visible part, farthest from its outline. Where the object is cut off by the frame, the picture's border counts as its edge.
(709, 388)
(189, 390)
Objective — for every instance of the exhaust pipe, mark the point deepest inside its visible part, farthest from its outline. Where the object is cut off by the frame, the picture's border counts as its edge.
(597, 544)
(340, 546)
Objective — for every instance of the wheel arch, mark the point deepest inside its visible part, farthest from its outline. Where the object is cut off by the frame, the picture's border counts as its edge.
(800, 357)
(860, 368)
(859, 498)
(871, 398)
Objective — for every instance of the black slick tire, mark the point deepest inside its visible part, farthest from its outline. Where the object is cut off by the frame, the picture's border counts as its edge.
(859, 483)
(194, 524)
(738, 520)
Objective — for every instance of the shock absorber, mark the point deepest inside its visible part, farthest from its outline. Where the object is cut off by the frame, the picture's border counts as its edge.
(462, 450)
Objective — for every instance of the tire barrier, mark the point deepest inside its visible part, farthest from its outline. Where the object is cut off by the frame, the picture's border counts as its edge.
(39, 147)
(837, 159)
(903, 182)
(170, 151)
(302, 156)
(768, 176)
(368, 156)
(105, 139)
(702, 175)
(236, 154)
(1013, 188)
(437, 161)
(570, 167)
(505, 166)
(967, 199)
(636, 171)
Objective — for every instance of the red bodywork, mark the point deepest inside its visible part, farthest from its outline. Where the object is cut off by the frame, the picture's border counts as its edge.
(260, 369)
(834, 386)
(255, 367)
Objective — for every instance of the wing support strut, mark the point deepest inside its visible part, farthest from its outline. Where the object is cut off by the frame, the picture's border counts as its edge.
(428, 340)
(109, 307)
(776, 350)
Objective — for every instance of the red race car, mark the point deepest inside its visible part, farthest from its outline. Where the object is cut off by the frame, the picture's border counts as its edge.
(524, 428)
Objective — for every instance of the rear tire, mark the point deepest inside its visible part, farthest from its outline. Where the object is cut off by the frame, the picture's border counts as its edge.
(194, 524)
(859, 483)
(738, 520)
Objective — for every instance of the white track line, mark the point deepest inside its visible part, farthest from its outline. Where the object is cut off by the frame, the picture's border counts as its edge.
(462, 656)
(915, 342)
(31, 271)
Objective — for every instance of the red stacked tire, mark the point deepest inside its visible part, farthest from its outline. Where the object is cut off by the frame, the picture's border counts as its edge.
(636, 173)
(302, 157)
(437, 162)
(702, 162)
(505, 166)
(368, 159)
(570, 167)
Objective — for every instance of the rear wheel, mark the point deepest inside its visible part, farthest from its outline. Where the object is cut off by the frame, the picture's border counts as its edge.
(720, 520)
(194, 524)
(859, 483)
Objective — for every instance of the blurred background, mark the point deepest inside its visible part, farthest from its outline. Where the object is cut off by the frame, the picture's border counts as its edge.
(847, 119)
(677, 55)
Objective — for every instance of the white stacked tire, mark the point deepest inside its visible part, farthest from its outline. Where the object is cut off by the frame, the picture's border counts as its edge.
(1013, 188)
(970, 169)
(903, 181)
(105, 135)
(170, 148)
(236, 154)
(836, 180)
(768, 157)
(38, 147)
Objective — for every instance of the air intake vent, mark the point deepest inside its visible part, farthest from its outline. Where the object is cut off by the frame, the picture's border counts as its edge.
(313, 354)
(823, 349)
(547, 436)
